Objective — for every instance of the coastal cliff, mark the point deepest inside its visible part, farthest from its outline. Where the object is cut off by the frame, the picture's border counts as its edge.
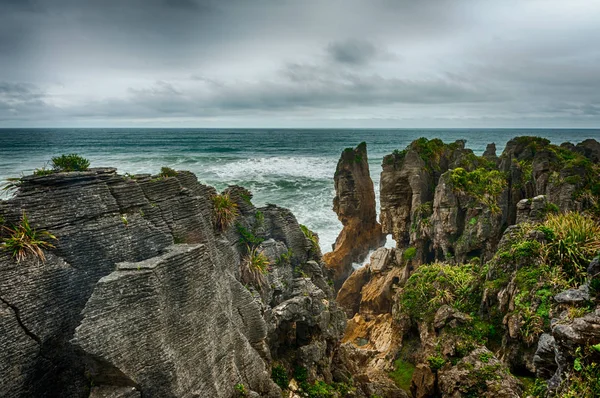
(354, 203)
(144, 295)
(490, 290)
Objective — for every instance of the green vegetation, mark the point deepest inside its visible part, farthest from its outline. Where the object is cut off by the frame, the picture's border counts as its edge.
(225, 211)
(433, 285)
(483, 185)
(279, 376)
(409, 253)
(247, 237)
(576, 242)
(167, 172)
(42, 171)
(70, 162)
(300, 374)
(246, 197)
(240, 390)
(23, 240)
(312, 237)
(584, 380)
(402, 374)
(285, 258)
(436, 363)
(255, 265)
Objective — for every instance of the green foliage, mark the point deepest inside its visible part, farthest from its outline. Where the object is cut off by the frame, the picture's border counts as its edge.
(225, 211)
(254, 266)
(70, 162)
(247, 237)
(42, 171)
(279, 376)
(551, 208)
(485, 357)
(246, 198)
(424, 210)
(483, 185)
(241, 390)
(576, 242)
(409, 253)
(320, 389)
(473, 221)
(527, 249)
(436, 363)
(167, 172)
(260, 218)
(285, 258)
(23, 240)
(584, 381)
(433, 285)
(312, 237)
(300, 374)
(429, 150)
(402, 374)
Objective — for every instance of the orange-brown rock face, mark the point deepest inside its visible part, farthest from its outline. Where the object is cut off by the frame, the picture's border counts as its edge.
(354, 204)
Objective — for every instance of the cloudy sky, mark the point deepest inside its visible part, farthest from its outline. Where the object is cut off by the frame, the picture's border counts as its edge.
(292, 63)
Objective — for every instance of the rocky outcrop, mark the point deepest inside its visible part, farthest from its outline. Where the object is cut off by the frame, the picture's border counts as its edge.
(354, 203)
(142, 296)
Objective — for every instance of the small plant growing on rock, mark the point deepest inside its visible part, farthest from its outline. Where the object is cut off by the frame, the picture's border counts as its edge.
(70, 162)
(167, 172)
(409, 253)
(312, 237)
(280, 376)
(241, 390)
(23, 240)
(254, 266)
(43, 171)
(436, 363)
(225, 210)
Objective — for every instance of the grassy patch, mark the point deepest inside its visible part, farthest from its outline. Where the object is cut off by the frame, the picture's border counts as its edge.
(167, 172)
(402, 374)
(483, 185)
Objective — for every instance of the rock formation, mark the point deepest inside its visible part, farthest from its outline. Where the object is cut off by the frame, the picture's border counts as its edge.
(354, 203)
(142, 295)
(471, 295)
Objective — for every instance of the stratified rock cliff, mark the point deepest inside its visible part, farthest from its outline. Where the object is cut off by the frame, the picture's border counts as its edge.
(143, 296)
(488, 278)
(354, 203)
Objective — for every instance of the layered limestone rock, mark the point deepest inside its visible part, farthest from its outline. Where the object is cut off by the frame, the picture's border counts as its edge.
(462, 301)
(143, 296)
(354, 203)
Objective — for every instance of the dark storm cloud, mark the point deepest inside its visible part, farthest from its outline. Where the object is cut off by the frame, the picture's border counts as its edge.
(159, 61)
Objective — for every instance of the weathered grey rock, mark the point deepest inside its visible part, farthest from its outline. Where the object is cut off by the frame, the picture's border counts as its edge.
(192, 299)
(482, 378)
(184, 301)
(544, 358)
(447, 315)
(580, 295)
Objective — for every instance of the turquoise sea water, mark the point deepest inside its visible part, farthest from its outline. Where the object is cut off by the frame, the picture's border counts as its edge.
(292, 168)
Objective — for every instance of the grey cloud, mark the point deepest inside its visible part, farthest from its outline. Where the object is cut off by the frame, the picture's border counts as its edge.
(352, 51)
(72, 60)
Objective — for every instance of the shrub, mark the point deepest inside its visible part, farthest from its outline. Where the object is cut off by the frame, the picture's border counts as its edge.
(247, 237)
(254, 266)
(436, 363)
(280, 376)
(23, 240)
(576, 242)
(71, 162)
(167, 172)
(483, 185)
(225, 210)
(42, 171)
(409, 253)
(433, 285)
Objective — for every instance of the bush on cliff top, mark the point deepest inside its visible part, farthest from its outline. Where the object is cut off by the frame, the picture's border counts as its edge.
(483, 185)
(23, 240)
(434, 285)
(167, 172)
(70, 162)
(225, 211)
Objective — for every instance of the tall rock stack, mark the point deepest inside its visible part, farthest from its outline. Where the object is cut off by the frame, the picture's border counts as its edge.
(354, 204)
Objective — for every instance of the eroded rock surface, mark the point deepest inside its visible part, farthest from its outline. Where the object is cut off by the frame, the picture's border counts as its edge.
(354, 203)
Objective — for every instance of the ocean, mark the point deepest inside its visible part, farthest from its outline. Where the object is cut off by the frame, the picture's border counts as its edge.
(292, 168)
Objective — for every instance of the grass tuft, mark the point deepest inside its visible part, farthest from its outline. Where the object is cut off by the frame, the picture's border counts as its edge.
(225, 210)
(23, 240)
